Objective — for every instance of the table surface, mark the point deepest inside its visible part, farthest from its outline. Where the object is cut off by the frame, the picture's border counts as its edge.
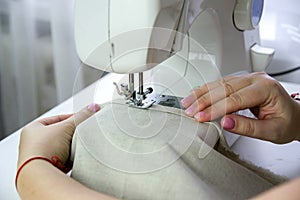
(280, 159)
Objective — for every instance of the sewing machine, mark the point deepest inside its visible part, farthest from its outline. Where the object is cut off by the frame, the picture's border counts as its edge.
(173, 46)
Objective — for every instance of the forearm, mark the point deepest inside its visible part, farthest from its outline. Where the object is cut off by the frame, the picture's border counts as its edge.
(41, 180)
(288, 191)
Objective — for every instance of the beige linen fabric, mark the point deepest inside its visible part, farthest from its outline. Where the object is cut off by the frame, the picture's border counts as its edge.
(157, 153)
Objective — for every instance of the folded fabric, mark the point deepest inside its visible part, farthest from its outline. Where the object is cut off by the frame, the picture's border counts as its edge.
(157, 153)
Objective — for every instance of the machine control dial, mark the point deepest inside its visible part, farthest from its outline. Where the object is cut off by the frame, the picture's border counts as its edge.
(247, 14)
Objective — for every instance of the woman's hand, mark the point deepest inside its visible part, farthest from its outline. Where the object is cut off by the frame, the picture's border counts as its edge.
(278, 115)
(51, 136)
(46, 138)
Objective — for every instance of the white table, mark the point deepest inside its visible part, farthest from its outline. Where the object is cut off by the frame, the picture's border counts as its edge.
(281, 159)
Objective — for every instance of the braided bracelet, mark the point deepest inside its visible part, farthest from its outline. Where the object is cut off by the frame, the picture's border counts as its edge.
(55, 161)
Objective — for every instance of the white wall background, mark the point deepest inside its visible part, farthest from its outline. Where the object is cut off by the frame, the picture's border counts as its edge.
(38, 61)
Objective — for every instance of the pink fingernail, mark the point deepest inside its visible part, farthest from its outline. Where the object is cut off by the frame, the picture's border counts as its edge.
(228, 123)
(185, 101)
(190, 110)
(199, 115)
(93, 107)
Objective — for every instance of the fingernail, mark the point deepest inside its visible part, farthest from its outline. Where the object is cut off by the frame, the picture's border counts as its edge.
(199, 115)
(228, 123)
(184, 101)
(190, 110)
(93, 107)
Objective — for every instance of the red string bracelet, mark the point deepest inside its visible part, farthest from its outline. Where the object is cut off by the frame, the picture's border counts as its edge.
(55, 161)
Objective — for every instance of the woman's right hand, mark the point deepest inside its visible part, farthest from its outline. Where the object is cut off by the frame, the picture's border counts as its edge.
(278, 115)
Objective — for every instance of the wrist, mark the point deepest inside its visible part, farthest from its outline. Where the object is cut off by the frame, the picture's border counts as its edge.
(25, 173)
(32, 176)
(25, 156)
(54, 161)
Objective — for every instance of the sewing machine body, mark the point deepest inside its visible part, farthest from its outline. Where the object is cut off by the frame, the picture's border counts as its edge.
(173, 46)
(137, 36)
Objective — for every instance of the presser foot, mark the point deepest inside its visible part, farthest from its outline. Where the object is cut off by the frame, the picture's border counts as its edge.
(148, 98)
(154, 99)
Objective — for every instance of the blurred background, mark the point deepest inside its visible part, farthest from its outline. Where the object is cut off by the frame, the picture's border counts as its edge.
(38, 61)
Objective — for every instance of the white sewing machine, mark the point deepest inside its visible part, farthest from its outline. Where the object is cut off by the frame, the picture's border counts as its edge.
(176, 45)
(195, 41)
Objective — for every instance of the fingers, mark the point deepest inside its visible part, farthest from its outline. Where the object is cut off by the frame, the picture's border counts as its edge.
(221, 87)
(260, 129)
(241, 125)
(210, 94)
(69, 121)
(82, 115)
(54, 119)
(78, 117)
(239, 100)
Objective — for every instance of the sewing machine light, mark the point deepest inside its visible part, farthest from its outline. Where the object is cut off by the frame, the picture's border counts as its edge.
(247, 14)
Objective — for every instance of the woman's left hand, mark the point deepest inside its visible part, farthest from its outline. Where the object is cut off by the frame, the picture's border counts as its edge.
(51, 136)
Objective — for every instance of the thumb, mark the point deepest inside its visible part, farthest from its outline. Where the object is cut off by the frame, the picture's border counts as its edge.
(245, 126)
(85, 113)
(80, 116)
